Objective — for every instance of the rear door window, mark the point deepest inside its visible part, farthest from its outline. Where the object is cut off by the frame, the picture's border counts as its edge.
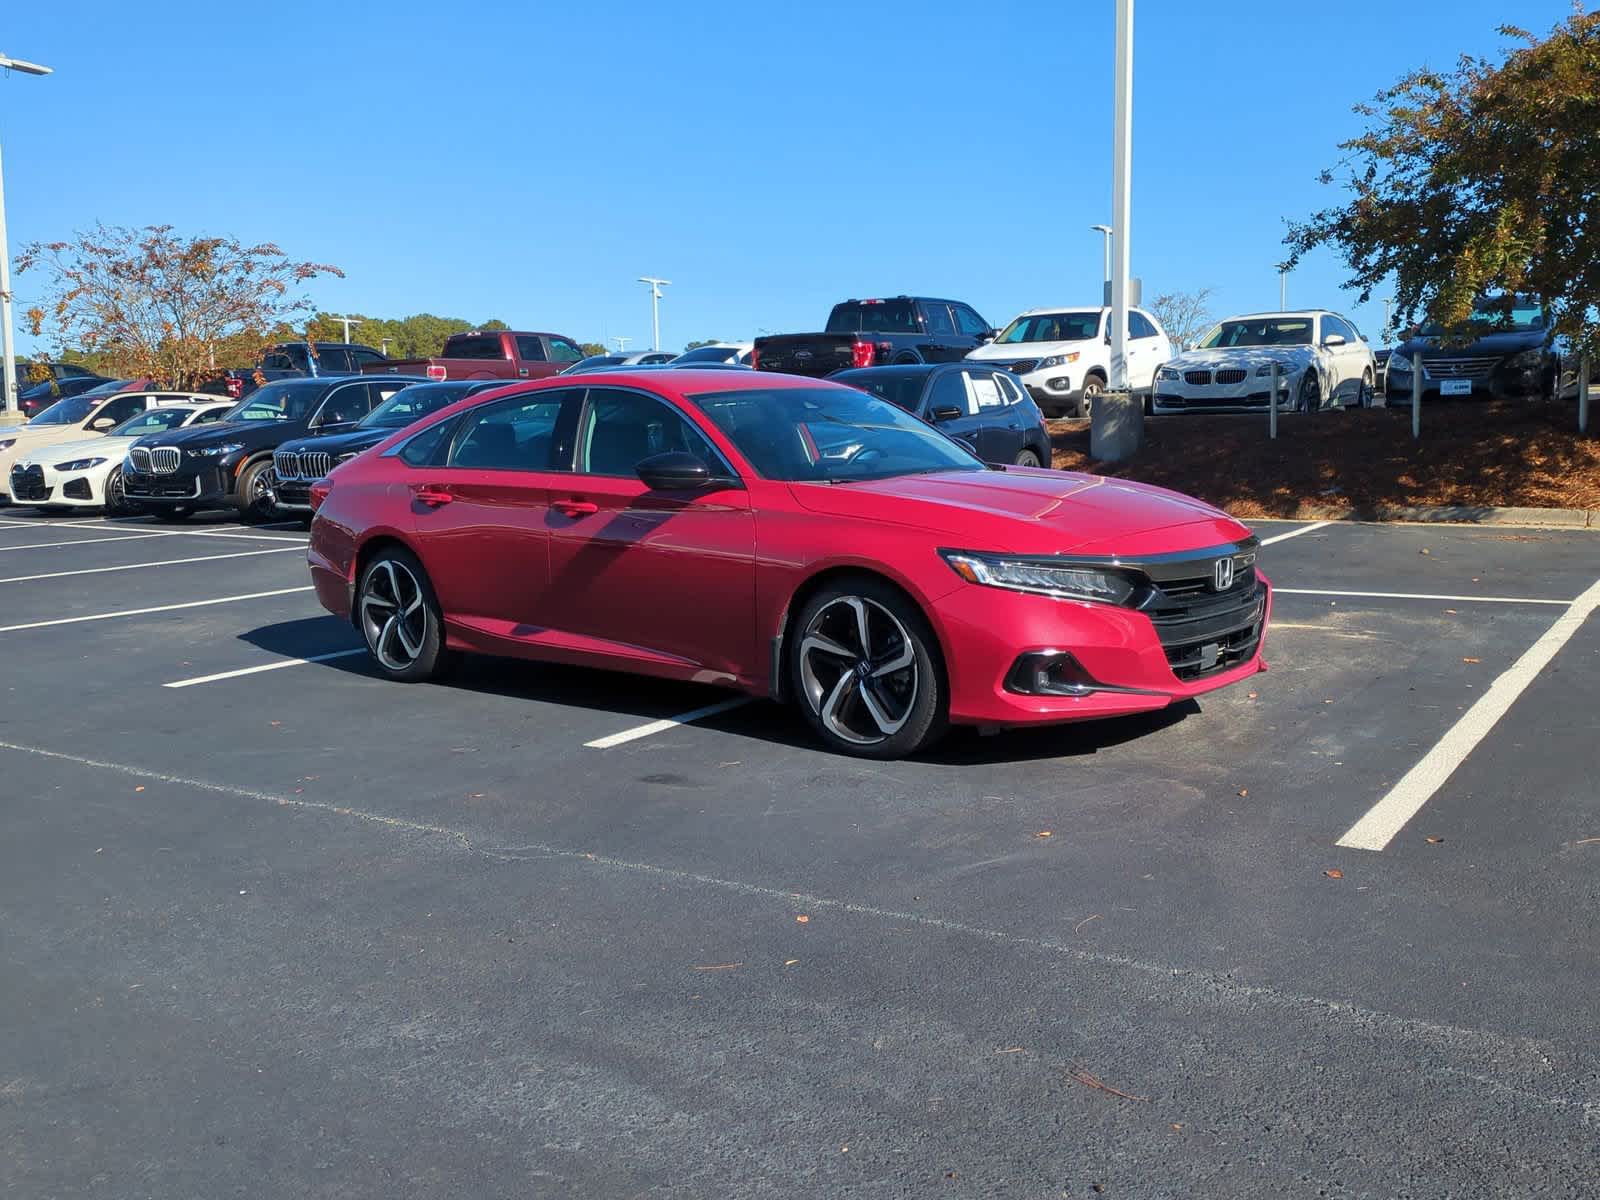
(333, 360)
(345, 405)
(363, 357)
(873, 316)
(475, 345)
(621, 429)
(936, 319)
(983, 393)
(530, 348)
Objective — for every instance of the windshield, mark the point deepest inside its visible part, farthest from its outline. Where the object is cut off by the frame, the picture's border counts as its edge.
(287, 400)
(830, 435)
(153, 421)
(901, 388)
(873, 316)
(1259, 331)
(1051, 327)
(708, 354)
(1525, 315)
(68, 412)
(412, 404)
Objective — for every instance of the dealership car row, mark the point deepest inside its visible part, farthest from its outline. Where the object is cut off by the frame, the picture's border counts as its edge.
(886, 547)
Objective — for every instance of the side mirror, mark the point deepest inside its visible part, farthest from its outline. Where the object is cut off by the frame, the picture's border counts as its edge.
(988, 335)
(674, 471)
(103, 423)
(945, 412)
(1334, 339)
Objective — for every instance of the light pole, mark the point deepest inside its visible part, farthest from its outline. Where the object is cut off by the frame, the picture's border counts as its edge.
(1283, 289)
(1121, 197)
(1388, 307)
(8, 373)
(622, 343)
(346, 322)
(655, 307)
(1105, 245)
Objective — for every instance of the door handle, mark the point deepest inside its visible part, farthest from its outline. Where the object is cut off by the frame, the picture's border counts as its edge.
(575, 508)
(433, 496)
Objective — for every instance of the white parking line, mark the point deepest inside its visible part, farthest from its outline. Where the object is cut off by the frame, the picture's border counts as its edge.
(644, 731)
(1293, 533)
(272, 666)
(139, 612)
(165, 562)
(134, 537)
(1283, 591)
(1388, 816)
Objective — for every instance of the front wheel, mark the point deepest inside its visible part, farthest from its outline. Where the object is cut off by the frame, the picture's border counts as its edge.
(400, 619)
(1026, 458)
(1364, 391)
(254, 496)
(1093, 388)
(1310, 392)
(116, 501)
(865, 668)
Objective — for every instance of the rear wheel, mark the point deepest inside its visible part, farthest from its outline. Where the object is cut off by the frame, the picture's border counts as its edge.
(399, 617)
(907, 358)
(864, 666)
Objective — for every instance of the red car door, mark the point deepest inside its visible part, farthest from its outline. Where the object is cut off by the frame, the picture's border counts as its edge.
(657, 577)
(481, 517)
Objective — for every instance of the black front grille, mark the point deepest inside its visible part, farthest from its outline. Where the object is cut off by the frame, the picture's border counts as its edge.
(1023, 365)
(27, 483)
(76, 489)
(1205, 631)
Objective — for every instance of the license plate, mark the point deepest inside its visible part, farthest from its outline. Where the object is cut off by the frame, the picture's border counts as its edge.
(1455, 387)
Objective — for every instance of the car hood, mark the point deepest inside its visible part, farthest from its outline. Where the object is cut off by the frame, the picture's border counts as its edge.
(1018, 351)
(355, 440)
(253, 435)
(1507, 341)
(28, 436)
(1031, 511)
(1243, 356)
(100, 447)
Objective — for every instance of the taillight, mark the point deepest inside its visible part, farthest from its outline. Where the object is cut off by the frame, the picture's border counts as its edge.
(319, 492)
(862, 354)
(755, 360)
(436, 371)
(235, 387)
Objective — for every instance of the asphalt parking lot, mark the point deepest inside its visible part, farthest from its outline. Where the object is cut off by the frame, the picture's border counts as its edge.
(274, 927)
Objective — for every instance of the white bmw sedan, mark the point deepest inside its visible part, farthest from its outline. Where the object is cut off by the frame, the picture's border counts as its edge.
(1322, 360)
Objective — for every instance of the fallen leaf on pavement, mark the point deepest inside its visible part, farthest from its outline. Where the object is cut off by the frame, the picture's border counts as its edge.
(1244, 791)
(1450, 612)
(720, 967)
(1434, 841)
(1079, 1075)
(1012, 1050)
(1252, 696)
(1471, 660)
(789, 962)
(140, 788)
(1085, 921)
(1334, 873)
(1426, 551)
(803, 919)
(1042, 833)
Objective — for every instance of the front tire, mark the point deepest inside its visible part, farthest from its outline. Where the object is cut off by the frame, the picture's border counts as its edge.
(1093, 388)
(1364, 391)
(254, 492)
(399, 616)
(1310, 392)
(116, 502)
(1026, 458)
(865, 668)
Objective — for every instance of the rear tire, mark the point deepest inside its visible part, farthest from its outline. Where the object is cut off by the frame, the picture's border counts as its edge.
(907, 358)
(399, 617)
(865, 668)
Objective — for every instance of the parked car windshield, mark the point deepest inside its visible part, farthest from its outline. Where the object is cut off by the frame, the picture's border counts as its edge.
(1259, 331)
(286, 400)
(830, 435)
(69, 411)
(152, 421)
(873, 316)
(412, 404)
(900, 386)
(1051, 327)
(714, 354)
(1526, 315)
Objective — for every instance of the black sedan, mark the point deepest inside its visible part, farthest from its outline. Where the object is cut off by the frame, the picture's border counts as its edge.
(987, 408)
(297, 464)
(34, 399)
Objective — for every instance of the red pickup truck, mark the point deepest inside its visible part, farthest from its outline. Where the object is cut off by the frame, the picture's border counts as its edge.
(489, 355)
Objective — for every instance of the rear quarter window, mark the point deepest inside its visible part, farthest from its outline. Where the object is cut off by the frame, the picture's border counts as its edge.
(474, 345)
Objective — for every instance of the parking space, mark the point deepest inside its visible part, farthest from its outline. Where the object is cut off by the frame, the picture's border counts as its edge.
(549, 912)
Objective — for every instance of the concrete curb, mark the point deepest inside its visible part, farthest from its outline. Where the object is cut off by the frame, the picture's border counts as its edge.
(1460, 514)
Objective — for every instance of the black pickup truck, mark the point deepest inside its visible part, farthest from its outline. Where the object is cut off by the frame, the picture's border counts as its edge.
(296, 360)
(870, 333)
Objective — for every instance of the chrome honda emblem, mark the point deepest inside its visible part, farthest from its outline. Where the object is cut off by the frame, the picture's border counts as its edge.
(1222, 575)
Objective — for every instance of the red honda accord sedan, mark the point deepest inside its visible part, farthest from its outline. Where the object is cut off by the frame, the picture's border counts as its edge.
(786, 537)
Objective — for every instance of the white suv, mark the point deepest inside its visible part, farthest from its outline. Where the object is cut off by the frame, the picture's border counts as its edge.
(1063, 355)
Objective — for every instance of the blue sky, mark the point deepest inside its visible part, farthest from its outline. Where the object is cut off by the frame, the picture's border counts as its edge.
(528, 161)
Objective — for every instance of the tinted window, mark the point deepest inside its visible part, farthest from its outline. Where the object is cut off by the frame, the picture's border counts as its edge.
(413, 403)
(424, 448)
(969, 322)
(936, 319)
(1332, 324)
(1010, 387)
(362, 357)
(873, 316)
(1051, 327)
(68, 411)
(283, 400)
(208, 415)
(346, 405)
(1139, 326)
(833, 434)
(152, 421)
(282, 360)
(512, 435)
(622, 429)
(653, 360)
(899, 387)
(563, 351)
(474, 345)
(120, 409)
(530, 349)
(333, 360)
(949, 392)
(1259, 331)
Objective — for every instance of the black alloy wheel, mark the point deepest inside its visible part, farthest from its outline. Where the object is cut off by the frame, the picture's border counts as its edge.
(865, 668)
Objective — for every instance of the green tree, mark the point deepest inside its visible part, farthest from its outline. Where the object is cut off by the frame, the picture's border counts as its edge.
(1479, 180)
(419, 336)
(702, 342)
(589, 348)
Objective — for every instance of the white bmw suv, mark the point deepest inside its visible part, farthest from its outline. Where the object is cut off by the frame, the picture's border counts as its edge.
(1063, 355)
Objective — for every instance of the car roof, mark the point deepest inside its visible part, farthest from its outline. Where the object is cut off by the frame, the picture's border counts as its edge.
(1298, 312)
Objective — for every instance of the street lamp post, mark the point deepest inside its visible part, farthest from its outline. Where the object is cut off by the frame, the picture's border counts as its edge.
(622, 343)
(346, 322)
(1283, 289)
(8, 372)
(655, 307)
(1121, 198)
(1105, 246)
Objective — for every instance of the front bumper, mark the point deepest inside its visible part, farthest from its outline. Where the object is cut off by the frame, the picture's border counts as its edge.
(1501, 383)
(292, 495)
(185, 487)
(36, 483)
(985, 631)
(1250, 394)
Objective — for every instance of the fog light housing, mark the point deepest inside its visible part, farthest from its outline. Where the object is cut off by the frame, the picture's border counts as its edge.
(1060, 384)
(1049, 673)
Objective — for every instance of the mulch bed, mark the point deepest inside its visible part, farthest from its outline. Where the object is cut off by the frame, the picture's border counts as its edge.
(1471, 453)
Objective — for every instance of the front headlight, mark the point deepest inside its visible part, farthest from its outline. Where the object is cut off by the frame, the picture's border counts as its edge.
(1284, 370)
(79, 464)
(1527, 360)
(344, 458)
(7, 443)
(1170, 374)
(216, 451)
(1397, 362)
(1043, 576)
(1056, 360)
